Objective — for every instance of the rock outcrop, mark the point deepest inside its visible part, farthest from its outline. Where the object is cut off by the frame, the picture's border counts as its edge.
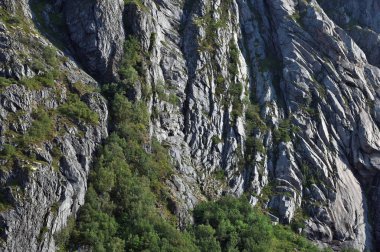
(316, 91)
(281, 97)
(46, 153)
(96, 31)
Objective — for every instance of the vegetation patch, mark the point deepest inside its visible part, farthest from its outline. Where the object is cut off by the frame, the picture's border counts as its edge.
(42, 128)
(75, 109)
(231, 224)
(284, 131)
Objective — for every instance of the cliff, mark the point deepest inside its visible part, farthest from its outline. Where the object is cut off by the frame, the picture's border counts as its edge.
(280, 97)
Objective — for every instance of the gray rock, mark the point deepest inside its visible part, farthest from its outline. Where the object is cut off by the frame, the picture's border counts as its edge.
(317, 71)
(97, 34)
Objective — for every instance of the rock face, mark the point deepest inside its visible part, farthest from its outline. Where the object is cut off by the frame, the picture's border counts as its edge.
(308, 76)
(280, 96)
(44, 194)
(97, 34)
(43, 177)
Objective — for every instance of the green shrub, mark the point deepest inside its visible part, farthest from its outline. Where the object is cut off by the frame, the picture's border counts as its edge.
(127, 203)
(75, 109)
(216, 139)
(5, 82)
(129, 74)
(231, 224)
(49, 53)
(138, 3)
(42, 128)
(284, 131)
(132, 174)
(8, 151)
(37, 65)
(134, 222)
(173, 99)
(219, 175)
(81, 88)
(39, 81)
(131, 63)
(62, 238)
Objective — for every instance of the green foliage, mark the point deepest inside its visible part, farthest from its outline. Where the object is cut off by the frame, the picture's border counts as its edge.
(159, 90)
(126, 203)
(216, 139)
(254, 118)
(126, 186)
(42, 128)
(254, 124)
(220, 85)
(236, 88)
(298, 220)
(62, 238)
(125, 173)
(96, 228)
(219, 175)
(39, 81)
(14, 20)
(173, 99)
(81, 88)
(296, 17)
(75, 109)
(4, 82)
(8, 151)
(231, 224)
(152, 42)
(212, 25)
(349, 250)
(42, 233)
(129, 69)
(50, 55)
(308, 175)
(284, 131)
(234, 59)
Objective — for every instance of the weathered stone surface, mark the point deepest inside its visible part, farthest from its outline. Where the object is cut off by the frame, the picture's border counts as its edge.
(305, 67)
(47, 181)
(97, 34)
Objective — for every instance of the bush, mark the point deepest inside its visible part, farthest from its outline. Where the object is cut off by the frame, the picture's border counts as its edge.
(39, 81)
(80, 88)
(42, 128)
(8, 151)
(50, 55)
(134, 222)
(74, 108)
(127, 173)
(235, 225)
(125, 207)
(284, 131)
(131, 62)
(4, 82)
(231, 224)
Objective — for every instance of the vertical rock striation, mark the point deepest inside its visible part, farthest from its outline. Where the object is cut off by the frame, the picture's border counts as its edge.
(281, 97)
(95, 29)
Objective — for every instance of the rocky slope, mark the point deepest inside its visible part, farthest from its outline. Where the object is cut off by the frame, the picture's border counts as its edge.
(47, 146)
(280, 97)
